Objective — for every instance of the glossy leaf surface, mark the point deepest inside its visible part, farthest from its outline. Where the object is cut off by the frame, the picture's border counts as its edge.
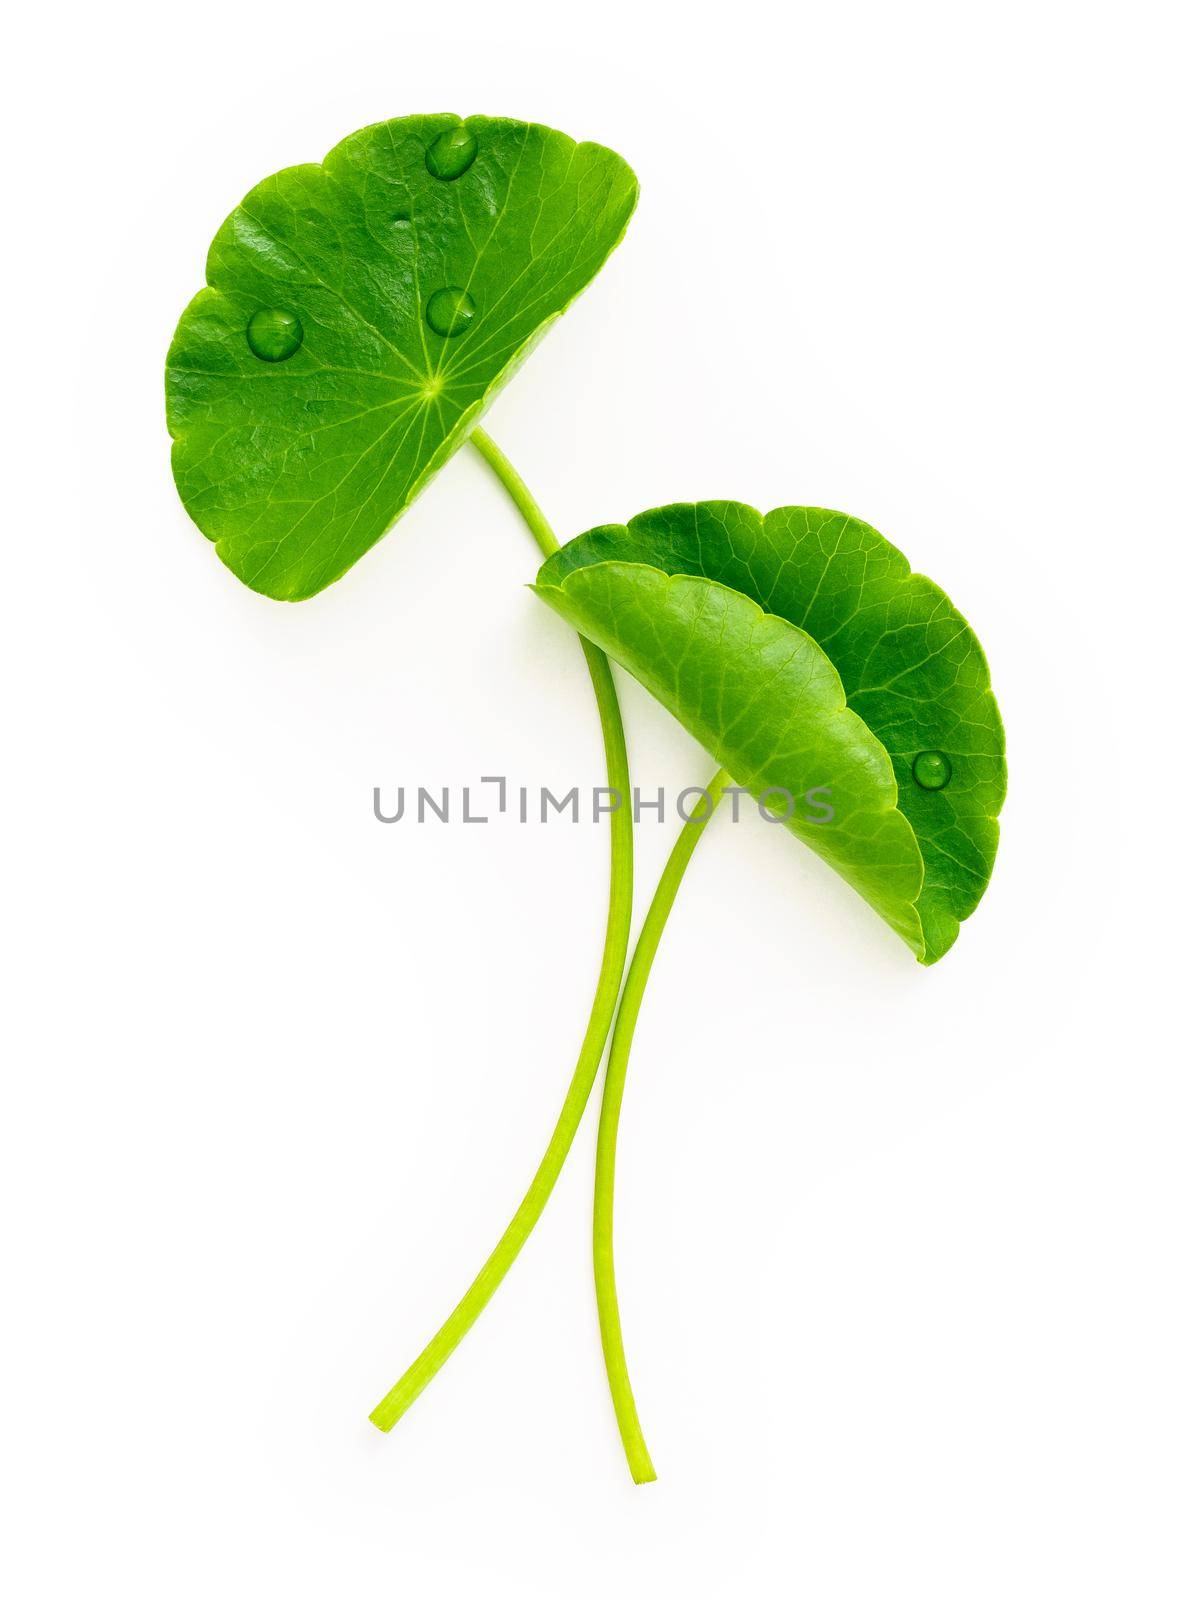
(359, 316)
(674, 597)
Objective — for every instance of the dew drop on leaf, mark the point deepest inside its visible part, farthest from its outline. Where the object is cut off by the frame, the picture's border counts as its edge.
(450, 312)
(931, 769)
(273, 334)
(451, 153)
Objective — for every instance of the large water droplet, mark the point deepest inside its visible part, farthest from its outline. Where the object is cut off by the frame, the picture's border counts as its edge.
(451, 153)
(273, 334)
(931, 769)
(450, 312)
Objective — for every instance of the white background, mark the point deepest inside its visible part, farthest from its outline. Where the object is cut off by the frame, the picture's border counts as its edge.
(908, 1258)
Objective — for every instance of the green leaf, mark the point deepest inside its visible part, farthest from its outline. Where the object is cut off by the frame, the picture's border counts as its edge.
(727, 615)
(766, 701)
(360, 316)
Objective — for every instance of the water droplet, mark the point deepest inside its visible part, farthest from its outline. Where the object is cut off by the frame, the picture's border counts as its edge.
(273, 334)
(931, 769)
(451, 153)
(450, 312)
(402, 217)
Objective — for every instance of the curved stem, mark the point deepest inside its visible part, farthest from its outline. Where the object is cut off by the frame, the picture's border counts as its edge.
(636, 1453)
(616, 941)
(518, 493)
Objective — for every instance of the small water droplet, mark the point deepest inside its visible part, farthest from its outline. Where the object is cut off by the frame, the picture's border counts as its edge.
(931, 769)
(450, 312)
(274, 334)
(451, 153)
(402, 217)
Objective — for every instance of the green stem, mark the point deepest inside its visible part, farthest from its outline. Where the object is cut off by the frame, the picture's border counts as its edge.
(616, 942)
(520, 496)
(636, 1453)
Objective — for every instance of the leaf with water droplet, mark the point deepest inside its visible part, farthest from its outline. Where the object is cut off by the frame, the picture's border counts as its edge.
(450, 312)
(931, 769)
(359, 317)
(735, 620)
(452, 153)
(274, 334)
